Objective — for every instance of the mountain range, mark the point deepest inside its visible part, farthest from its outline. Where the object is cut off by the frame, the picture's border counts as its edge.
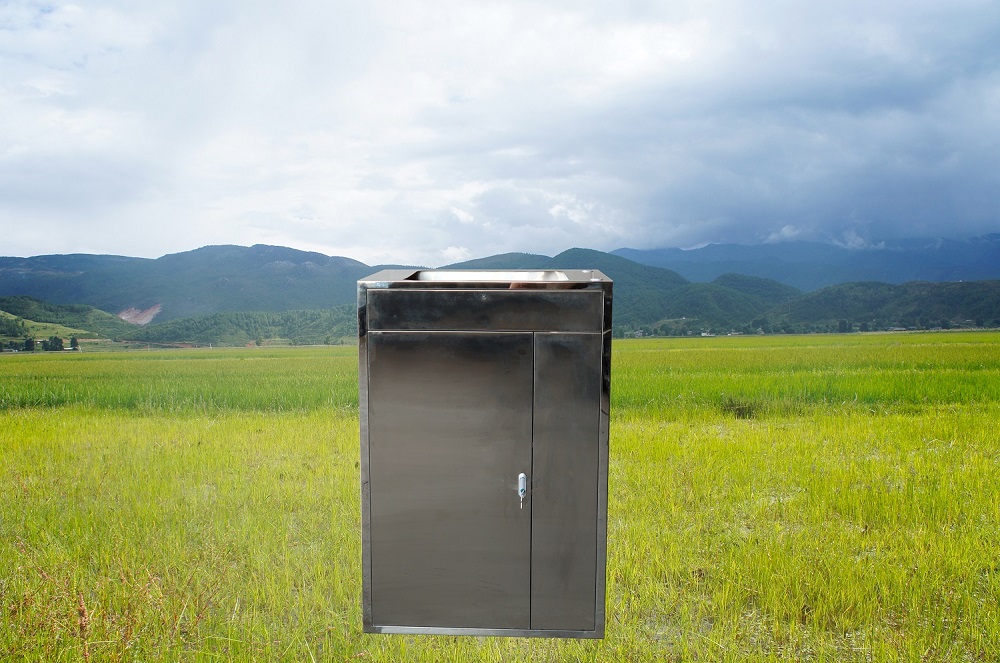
(181, 285)
(812, 265)
(734, 291)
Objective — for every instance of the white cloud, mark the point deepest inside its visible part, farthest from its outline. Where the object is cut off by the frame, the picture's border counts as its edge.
(786, 234)
(462, 215)
(454, 254)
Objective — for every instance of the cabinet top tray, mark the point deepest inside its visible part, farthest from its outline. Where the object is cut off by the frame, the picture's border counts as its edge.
(546, 279)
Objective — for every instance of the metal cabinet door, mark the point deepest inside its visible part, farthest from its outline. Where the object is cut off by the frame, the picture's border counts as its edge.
(449, 430)
(565, 487)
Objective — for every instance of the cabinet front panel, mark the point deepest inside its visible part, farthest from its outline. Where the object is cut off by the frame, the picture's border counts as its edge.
(449, 431)
(494, 310)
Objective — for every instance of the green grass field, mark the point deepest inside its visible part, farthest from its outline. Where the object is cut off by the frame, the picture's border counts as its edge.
(777, 498)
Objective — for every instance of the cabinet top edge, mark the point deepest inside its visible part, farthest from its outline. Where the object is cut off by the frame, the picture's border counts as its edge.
(544, 279)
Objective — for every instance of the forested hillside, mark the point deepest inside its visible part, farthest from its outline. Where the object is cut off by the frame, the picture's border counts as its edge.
(310, 327)
(12, 326)
(313, 327)
(76, 316)
(874, 306)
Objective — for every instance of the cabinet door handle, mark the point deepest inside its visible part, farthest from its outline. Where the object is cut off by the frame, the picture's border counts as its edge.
(522, 486)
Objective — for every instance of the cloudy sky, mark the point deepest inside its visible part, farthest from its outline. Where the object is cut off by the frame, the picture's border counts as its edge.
(433, 131)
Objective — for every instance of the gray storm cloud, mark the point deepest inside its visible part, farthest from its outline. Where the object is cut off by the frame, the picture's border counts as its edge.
(424, 132)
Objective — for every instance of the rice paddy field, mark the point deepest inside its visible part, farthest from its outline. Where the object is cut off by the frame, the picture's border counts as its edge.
(817, 498)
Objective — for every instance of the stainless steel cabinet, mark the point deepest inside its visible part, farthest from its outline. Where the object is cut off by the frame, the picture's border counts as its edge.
(484, 429)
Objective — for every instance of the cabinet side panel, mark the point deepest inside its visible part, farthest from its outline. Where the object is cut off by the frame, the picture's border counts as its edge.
(366, 603)
(449, 429)
(565, 481)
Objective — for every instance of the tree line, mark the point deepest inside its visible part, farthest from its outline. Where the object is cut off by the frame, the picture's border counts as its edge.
(50, 344)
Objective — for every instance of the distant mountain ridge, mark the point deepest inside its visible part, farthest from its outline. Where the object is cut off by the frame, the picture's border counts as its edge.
(644, 294)
(208, 280)
(910, 305)
(812, 265)
(206, 288)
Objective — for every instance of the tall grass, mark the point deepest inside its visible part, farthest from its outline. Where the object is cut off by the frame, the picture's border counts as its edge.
(262, 380)
(228, 534)
(800, 498)
(832, 536)
(875, 373)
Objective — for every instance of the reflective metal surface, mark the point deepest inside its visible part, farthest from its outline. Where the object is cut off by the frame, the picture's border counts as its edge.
(450, 429)
(486, 278)
(511, 276)
(493, 310)
(484, 451)
(565, 459)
